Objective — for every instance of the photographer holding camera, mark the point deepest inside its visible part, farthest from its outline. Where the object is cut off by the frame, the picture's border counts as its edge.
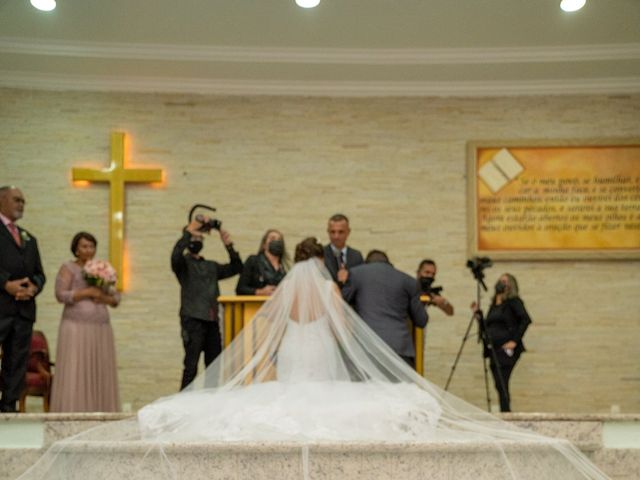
(426, 276)
(199, 292)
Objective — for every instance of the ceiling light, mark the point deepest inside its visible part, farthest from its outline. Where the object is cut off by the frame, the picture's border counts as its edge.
(44, 5)
(307, 3)
(572, 5)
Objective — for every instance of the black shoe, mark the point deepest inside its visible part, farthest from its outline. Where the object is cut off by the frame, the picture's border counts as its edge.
(8, 409)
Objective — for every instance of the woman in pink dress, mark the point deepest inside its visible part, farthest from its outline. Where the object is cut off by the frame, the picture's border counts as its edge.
(85, 378)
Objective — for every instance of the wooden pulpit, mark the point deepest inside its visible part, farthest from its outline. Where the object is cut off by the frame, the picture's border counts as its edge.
(239, 310)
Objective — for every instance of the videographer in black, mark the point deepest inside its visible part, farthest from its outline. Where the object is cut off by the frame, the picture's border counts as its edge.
(199, 292)
(263, 272)
(505, 323)
(426, 276)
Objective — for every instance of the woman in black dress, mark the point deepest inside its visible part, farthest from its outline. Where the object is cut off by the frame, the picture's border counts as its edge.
(505, 324)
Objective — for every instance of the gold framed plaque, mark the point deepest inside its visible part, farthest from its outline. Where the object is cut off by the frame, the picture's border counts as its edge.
(554, 199)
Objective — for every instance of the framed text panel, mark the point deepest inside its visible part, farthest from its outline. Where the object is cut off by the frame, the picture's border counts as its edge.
(546, 200)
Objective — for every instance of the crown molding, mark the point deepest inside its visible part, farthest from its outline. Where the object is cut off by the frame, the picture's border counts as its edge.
(608, 86)
(436, 56)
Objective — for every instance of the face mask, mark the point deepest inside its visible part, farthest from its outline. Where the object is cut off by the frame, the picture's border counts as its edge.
(276, 247)
(500, 288)
(195, 246)
(425, 283)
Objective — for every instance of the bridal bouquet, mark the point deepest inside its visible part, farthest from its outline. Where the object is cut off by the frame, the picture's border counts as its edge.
(99, 273)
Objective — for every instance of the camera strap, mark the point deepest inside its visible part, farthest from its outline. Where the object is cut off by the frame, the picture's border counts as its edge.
(199, 205)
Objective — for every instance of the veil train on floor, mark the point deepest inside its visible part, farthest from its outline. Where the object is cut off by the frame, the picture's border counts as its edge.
(308, 371)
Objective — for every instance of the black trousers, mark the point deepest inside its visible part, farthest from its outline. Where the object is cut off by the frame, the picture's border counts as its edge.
(15, 338)
(504, 369)
(198, 336)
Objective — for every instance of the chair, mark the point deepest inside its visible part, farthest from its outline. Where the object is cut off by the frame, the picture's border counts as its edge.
(39, 376)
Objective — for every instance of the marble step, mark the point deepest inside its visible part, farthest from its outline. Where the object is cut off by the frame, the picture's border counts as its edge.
(354, 461)
(24, 437)
(584, 431)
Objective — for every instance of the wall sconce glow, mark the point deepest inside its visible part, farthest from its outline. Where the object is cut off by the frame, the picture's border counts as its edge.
(44, 5)
(572, 5)
(307, 3)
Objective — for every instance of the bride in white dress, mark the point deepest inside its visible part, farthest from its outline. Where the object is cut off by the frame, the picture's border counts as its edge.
(308, 370)
(311, 370)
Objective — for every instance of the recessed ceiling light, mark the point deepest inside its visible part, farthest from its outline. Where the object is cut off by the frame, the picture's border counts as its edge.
(44, 5)
(572, 5)
(307, 3)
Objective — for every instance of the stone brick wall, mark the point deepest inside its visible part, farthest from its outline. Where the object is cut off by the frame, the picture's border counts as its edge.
(395, 166)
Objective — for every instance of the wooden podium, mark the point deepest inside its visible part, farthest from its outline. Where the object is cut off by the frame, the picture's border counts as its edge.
(239, 310)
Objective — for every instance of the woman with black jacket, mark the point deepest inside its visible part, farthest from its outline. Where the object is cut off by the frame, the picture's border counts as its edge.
(263, 272)
(505, 324)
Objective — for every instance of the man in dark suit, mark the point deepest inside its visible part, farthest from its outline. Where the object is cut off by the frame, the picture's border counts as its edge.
(21, 279)
(384, 297)
(338, 257)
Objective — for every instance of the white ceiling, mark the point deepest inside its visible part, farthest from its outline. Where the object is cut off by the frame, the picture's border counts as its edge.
(342, 47)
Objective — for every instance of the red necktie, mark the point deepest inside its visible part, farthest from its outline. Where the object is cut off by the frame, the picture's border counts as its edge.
(14, 232)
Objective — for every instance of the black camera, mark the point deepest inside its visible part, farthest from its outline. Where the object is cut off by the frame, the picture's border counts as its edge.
(212, 223)
(207, 225)
(479, 263)
(427, 288)
(477, 266)
(434, 291)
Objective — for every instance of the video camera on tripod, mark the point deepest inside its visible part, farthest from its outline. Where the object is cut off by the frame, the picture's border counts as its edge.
(477, 266)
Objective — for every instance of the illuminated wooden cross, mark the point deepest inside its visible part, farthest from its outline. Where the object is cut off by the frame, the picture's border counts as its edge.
(117, 175)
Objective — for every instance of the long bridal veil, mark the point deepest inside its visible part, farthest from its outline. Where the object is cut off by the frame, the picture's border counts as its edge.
(306, 371)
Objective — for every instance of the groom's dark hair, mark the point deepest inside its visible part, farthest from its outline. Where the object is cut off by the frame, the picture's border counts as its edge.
(339, 217)
(377, 256)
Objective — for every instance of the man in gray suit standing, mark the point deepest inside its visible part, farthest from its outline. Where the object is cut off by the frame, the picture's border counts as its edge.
(338, 257)
(384, 297)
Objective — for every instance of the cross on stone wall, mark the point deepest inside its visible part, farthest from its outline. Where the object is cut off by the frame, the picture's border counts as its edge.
(117, 175)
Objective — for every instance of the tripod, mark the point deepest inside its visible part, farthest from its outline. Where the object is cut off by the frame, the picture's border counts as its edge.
(476, 267)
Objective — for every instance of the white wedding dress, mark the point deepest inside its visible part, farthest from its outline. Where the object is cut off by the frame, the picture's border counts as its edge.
(308, 370)
(310, 398)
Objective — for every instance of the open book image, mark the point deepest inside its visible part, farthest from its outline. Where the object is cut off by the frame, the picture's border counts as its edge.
(500, 170)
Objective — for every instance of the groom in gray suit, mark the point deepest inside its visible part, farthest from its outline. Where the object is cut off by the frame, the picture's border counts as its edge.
(384, 297)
